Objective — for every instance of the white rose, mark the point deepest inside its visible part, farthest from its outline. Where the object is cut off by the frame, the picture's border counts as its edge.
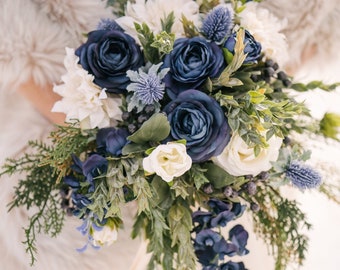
(168, 161)
(239, 159)
(104, 237)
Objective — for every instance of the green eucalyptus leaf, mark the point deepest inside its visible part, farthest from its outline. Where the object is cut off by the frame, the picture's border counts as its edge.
(217, 176)
(133, 148)
(163, 192)
(156, 129)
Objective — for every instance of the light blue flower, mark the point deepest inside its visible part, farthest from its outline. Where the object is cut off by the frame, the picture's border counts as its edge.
(147, 86)
(218, 23)
(302, 176)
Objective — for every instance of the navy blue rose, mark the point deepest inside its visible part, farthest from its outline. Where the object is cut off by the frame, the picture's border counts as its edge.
(191, 62)
(108, 55)
(252, 47)
(199, 119)
(111, 141)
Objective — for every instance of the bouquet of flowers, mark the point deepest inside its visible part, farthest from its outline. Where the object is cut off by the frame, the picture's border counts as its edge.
(180, 107)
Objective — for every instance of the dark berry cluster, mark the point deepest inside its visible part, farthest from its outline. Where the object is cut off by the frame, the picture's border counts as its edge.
(133, 120)
(270, 70)
(247, 190)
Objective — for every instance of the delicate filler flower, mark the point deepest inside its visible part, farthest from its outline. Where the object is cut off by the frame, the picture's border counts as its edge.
(218, 23)
(303, 176)
(82, 99)
(168, 161)
(152, 12)
(147, 86)
(239, 159)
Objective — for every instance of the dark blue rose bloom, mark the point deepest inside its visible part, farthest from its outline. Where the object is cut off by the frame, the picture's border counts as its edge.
(232, 266)
(93, 167)
(252, 47)
(239, 237)
(108, 55)
(199, 119)
(191, 62)
(111, 141)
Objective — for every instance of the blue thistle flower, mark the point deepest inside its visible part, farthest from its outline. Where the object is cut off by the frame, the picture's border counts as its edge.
(109, 24)
(218, 23)
(147, 86)
(302, 176)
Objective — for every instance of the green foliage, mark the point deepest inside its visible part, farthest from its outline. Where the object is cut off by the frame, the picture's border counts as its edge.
(147, 38)
(67, 141)
(217, 176)
(168, 22)
(35, 190)
(301, 87)
(180, 228)
(155, 129)
(189, 27)
(226, 78)
(207, 5)
(164, 42)
(279, 223)
(330, 125)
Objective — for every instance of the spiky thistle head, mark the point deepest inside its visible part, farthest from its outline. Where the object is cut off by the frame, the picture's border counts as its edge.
(302, 176)
(218, 23)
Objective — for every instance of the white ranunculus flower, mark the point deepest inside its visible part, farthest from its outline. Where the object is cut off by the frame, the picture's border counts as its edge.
(239, 159)
(168, 161)
(82, 99)
(152, 12)
(266, 29)
(104, 237)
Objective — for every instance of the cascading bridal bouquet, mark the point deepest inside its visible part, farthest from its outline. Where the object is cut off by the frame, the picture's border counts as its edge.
(186, 112)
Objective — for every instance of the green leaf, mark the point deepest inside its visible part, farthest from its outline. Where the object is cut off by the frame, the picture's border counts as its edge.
(256, 97)
(189, 28)
(168, 22)
(133, 148)
(217, 176)
(162, 189)
(156, 129)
